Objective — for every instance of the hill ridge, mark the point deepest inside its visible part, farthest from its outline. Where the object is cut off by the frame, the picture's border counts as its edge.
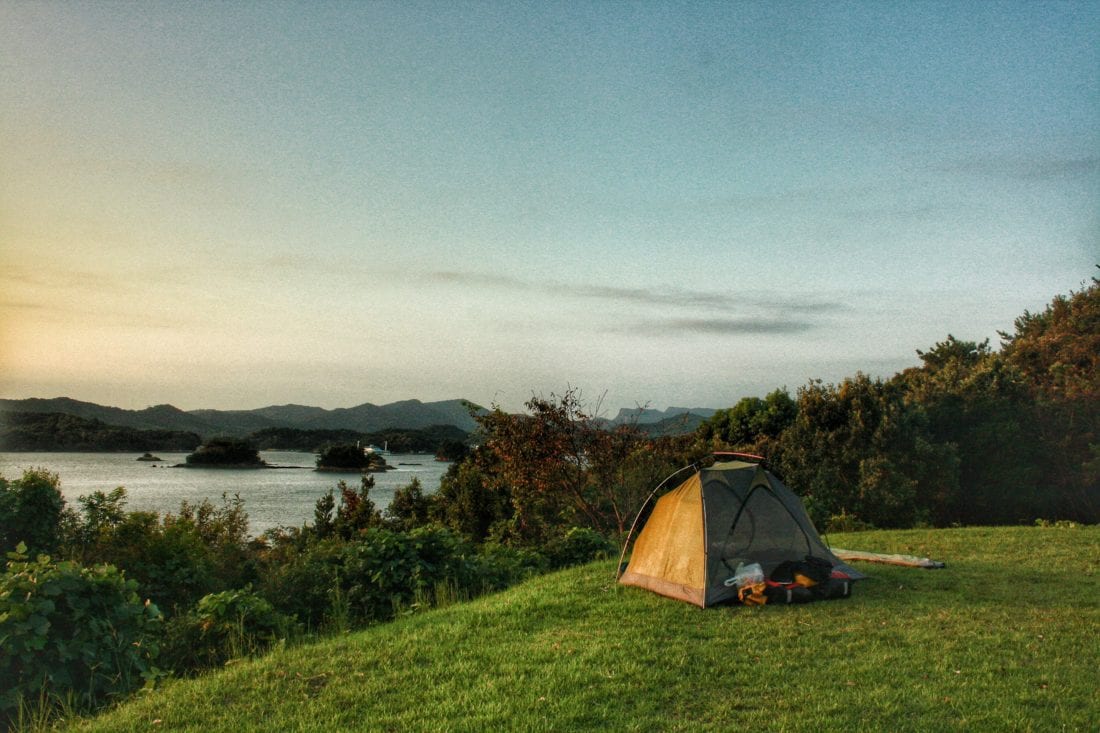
(366, 417)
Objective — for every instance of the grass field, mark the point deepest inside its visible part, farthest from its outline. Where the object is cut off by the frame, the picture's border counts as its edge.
(1007, 637)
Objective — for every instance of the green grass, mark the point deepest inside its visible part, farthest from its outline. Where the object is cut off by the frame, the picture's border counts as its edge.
(1006, 638)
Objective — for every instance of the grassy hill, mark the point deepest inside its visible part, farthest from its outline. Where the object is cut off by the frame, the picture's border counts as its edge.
(1005, 638)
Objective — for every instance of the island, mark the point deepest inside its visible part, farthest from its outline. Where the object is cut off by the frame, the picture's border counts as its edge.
(349, 457)
(225, 453)
(149, 457)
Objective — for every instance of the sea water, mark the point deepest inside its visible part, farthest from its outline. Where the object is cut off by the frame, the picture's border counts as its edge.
(273, 497)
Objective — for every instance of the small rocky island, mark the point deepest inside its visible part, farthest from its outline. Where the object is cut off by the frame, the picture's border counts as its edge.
(350, 458)
(150, 458)
(225, 453)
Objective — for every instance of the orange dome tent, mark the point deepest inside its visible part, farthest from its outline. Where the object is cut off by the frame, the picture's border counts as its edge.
(731, 513)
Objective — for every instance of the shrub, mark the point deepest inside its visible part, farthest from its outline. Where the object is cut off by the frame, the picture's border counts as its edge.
(577, 546)
(499, 566)
(845, 522)
(176, 559)
(31, 509)
(409, 507)
(366, 579)
(223, 626)
(72, 633)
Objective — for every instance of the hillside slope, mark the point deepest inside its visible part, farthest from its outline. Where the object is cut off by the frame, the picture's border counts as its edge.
(1003, 639)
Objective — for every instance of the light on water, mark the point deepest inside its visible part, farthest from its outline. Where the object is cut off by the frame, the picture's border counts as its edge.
(272, 497)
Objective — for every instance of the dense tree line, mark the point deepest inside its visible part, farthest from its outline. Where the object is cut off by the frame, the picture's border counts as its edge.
(972, 435)
(58, 432)
(51, 431)
(398, 440)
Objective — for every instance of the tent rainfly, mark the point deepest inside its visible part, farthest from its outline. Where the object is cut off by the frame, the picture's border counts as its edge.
(731, 513)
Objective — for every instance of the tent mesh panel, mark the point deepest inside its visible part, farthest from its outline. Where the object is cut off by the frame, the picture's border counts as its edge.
(765, 532)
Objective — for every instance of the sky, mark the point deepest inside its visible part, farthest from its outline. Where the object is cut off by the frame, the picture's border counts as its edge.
(238, 204)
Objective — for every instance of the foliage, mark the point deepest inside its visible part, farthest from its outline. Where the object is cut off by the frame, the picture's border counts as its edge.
(1057, 352)
(226, 452)
(357, 511)
(72, 633)
(577, 546)
(31, 510)
(750, 423)
(559, 466)
(409, 508)
(856, 448)
(176, 559)
(468, 502)
(977, 404)
(367, 578)
(223, 626)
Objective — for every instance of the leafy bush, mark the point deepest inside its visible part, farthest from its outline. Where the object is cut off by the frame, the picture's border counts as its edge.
(31, 509)
(176, 559)
(72, 633)
(354, 582)
(577, 546)
(223, 626)
(500, 566)
(409, 507)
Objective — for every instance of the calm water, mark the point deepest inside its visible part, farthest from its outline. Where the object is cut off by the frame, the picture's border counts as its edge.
(272, 497)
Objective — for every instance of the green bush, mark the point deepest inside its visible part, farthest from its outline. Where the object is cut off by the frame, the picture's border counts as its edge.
(223, 626)
(500, 566)
(577, 546)
(345, 583)
(72, 633)
(176, 559)
(31, 510)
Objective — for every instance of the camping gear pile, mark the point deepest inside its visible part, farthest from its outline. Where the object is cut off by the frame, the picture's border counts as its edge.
(734, 532)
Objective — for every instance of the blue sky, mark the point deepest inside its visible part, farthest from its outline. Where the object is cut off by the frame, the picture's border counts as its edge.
(238, 204)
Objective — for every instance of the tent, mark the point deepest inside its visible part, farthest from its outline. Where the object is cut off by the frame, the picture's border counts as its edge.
(733, 512)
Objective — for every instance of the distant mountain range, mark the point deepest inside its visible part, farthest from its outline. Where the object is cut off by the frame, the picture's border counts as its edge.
(366, 418)
(645, 416)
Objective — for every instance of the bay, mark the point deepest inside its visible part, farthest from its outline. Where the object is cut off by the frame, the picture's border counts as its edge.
(273, 497)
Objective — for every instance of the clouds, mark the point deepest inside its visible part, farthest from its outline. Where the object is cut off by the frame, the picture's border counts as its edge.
(1034, 168)
(670, 311)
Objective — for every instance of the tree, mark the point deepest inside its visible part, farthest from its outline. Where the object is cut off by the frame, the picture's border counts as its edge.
(857, 449)
(559, 467)
(1057, 352)
(356, 511)
(752, 424)
(469, 501)
(977, 402)
(409, 508)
